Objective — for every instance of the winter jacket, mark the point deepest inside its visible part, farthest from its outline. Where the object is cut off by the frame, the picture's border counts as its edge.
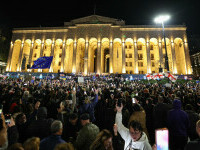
(193, 117)
(50, 142)
(193, 145)
(86, 136)
(40, 127)
(141, 144)
(178, 121)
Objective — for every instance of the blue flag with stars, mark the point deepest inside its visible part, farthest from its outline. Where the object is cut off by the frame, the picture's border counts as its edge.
(42, 63)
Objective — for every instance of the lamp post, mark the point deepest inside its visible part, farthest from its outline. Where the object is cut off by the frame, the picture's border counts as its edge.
(162, 19)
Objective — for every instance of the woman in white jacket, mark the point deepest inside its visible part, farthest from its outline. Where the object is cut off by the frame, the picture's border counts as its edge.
(134, 137)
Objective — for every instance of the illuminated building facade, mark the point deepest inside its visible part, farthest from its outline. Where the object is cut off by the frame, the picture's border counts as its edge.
(102, 45)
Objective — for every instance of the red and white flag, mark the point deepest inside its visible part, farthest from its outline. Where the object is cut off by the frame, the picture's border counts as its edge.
(160, 76)
(148, 76)
(172, 77)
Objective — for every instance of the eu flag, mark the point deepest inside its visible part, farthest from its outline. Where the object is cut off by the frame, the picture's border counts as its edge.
(42, 63)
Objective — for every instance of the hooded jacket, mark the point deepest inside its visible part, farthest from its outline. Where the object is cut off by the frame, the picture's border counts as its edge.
(40, 127)
(141, 144)
(178, 121)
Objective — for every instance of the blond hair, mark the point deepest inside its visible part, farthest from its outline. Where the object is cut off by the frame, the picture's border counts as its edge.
(64, 146)
(32, 144)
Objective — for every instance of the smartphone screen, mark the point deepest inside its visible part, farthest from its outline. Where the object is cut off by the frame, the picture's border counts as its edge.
(133, 100)
(7, 118)
(162, 139)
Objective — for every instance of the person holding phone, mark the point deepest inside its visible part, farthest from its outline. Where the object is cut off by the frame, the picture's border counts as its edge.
(134, 137)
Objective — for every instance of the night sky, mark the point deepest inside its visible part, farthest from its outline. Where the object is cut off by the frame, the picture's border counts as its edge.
(141, 12)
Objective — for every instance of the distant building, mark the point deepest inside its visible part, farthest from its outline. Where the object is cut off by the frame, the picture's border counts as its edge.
(102, 45)
(195, 59)
(2, 67)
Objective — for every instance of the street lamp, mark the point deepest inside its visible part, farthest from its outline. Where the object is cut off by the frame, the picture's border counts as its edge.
(162, 19)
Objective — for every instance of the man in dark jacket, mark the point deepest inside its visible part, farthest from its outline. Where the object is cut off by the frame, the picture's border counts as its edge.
(195, 145)
(160, 114)
(193, 117)
(51, 141)
(41, 127)
(178, 125)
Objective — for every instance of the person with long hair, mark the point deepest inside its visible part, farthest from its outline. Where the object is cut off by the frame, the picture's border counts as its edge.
(103, 141)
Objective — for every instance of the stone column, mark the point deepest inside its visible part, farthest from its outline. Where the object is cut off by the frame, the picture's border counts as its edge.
(31, 54)
(111, 57)
(86, 58)
(135, 58)
(74, 57)
(20, 57)
(8, 67)
(187, 58)
(41, 50)
(99, 57)
(52, 54)
(123, 58)
(148, 57)
(63, 57)
(161, 55)
(173, 58)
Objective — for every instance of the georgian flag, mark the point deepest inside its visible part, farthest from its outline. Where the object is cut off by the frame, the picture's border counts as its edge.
(148, 76)
(172, 77)
(158, 76)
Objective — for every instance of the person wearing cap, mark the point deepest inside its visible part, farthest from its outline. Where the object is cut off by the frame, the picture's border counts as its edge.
(87, 134)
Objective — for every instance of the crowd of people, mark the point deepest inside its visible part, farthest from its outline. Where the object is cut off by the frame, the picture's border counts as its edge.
(103, 113)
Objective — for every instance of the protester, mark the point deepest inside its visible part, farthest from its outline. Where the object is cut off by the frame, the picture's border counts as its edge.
(32, 144)
(87, 134)
(178, 125)
(60, 98)
(103, 141)
(51, 141)
(3, 134)
(193, 118)
(134, 137)
(194, 145)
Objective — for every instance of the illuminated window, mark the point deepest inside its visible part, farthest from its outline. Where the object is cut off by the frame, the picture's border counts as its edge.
(152, 56)
(130, 64)
(153, 64)
(126, 64)
(151, 47)
(139, 47)
(130, 55)
(60, 55)
(140, 56)
(141, 72)
(140, 64)
(59, 64)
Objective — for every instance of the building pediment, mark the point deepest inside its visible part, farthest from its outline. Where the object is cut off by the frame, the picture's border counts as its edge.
(95, 19)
